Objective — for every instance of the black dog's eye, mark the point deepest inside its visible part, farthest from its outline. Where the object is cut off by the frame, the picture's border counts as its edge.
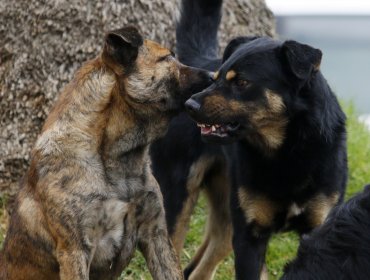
(242, 82)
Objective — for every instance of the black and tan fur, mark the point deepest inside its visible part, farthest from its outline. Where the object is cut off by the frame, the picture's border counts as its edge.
(89, 198)
(285, 134)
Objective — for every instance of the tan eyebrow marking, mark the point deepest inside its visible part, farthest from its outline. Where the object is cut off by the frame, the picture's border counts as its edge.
(216, 75)
(230, 75)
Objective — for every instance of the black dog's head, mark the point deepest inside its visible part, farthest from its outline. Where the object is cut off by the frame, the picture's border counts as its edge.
(252, 91)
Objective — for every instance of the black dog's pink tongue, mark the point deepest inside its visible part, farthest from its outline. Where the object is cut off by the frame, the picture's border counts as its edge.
(206, 130)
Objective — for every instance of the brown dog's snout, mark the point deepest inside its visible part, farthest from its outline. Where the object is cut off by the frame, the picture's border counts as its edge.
(193, 80)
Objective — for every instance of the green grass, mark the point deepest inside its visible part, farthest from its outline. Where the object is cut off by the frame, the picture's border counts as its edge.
(358, 153)
(282, 247)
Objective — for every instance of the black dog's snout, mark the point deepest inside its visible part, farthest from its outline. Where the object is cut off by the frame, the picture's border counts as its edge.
(191, 105)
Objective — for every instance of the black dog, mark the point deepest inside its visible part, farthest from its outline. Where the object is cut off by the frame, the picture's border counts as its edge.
(287, 162)
(340, 248)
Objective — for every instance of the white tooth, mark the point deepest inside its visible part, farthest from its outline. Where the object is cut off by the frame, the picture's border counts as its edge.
(213, 128)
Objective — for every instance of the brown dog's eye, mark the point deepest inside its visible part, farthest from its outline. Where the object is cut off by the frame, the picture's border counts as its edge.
(242, 83)
(165, 58)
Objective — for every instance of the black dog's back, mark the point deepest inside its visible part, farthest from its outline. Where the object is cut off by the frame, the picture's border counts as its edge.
(340, 248)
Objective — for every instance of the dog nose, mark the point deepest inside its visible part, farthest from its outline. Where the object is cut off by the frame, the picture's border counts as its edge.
(191, 105)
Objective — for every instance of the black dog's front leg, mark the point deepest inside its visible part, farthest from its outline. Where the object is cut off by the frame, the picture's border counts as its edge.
(249, 246)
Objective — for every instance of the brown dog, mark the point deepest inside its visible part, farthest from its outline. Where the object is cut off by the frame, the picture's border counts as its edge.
(89, 197)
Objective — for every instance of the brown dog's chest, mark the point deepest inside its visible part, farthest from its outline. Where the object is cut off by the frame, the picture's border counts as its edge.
(112, 228)
(118, 219)
(106, 227)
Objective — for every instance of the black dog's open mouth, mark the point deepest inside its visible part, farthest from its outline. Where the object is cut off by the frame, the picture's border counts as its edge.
(219, 130)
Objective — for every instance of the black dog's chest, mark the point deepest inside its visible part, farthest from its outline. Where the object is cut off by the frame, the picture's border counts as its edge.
(284, 178)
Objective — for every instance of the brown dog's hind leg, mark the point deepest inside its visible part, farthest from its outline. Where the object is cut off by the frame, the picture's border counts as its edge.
(217, 241)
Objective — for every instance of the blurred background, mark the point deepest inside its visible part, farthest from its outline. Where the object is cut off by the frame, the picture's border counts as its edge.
(42, 43)
(341, 29)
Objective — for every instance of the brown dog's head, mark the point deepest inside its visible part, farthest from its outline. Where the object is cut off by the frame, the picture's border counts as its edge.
(151, 80)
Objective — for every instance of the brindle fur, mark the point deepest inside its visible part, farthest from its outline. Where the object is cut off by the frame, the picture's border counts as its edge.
(89, 198)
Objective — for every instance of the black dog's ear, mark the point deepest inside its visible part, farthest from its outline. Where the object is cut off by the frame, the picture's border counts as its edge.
(234, 44)
(122, 45)
(302, 59)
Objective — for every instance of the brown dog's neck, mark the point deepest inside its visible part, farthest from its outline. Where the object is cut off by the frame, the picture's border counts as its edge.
(128, 133)
(92, 118)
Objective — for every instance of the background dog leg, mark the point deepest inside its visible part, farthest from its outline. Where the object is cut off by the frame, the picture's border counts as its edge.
(183, 220)
(264, 273)
(195, 181)
(217, 242)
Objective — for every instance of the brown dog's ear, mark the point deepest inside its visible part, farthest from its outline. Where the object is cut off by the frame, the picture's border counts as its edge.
(122, 46)
(302, 59)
